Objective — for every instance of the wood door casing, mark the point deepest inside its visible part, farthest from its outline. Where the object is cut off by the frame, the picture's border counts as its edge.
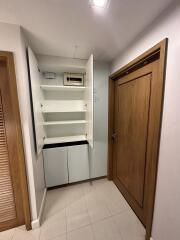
(14, 203)
(158, 56)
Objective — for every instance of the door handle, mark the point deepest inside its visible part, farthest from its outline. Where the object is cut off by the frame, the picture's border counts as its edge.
(114, 135)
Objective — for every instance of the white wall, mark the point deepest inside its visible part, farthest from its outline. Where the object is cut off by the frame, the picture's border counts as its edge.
(12, 40)
(166, 223)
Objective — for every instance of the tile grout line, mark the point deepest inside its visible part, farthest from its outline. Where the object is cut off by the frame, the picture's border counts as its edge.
(66, 218)
(94, 236)
(91, 224)
(78, 228)
(13, 234)
(85, 196)
(119, 231)
(81, 226)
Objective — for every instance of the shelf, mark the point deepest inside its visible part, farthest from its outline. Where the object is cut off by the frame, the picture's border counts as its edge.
(50, 123)
(62, 67)
(63, 106)
(62, 88)
(65, 139)
(62, 110)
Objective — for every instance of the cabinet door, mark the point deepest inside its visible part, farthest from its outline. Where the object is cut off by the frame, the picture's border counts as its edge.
(36, 97)
(55, 166)
(78, 163)
(89, 100)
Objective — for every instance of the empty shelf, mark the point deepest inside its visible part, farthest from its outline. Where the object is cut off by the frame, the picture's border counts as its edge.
(62, 88)
(54, 64)
(50, 123)
(65, 139)
(53, 106)
(62, 110)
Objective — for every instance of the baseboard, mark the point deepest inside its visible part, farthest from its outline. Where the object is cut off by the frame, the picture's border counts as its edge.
(37, 223)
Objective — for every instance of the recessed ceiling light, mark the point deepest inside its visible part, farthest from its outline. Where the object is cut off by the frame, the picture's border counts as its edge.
(99, 3)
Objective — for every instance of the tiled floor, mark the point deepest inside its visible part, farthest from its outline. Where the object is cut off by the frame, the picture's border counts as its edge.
(85, 211)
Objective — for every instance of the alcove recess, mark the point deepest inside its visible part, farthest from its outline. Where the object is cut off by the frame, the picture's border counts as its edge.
(61, 113)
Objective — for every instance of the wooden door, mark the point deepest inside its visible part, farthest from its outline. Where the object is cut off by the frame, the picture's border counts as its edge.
(135, 112)
(137, 118)
(13, 185)
(131, 127)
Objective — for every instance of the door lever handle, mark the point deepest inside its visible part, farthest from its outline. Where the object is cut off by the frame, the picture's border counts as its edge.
(114, 135)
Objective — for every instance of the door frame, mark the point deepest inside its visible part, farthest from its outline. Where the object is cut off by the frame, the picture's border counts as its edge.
(160, 50)
(9, 59)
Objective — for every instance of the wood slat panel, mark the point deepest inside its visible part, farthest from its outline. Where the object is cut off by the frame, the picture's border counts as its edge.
(14, 202)
(7, 203)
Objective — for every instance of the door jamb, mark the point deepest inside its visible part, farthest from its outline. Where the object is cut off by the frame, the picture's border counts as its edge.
(9, 58)
(160, 48)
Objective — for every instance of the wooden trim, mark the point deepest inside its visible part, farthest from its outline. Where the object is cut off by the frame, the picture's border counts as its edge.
(161, 77)
(159, 50)
(8, 56)
(110, 128)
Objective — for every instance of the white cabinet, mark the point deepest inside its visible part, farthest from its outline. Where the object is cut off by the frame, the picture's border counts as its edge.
(55, 166)
(78, 163)
(61, 113)
(64, 165)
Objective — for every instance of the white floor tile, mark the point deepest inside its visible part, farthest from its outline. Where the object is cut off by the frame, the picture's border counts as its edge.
(87, 187)
(76, 214)
(54, 226)
(129, 226)
(76, 207)
(84, 233)
(78, 220)
(96, 211)
(106, 230)
(62, 237)
(21, 234)
(97, 207)
(73, 194)
(7, 235)
(56, 201)
(116, 206)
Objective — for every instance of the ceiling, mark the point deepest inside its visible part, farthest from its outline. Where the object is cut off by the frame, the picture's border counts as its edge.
(72, 28)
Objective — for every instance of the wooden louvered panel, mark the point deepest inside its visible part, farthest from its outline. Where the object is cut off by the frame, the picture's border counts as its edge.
(7, 203)
(14, 203)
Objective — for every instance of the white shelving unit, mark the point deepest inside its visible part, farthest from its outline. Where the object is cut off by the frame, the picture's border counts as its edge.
(63, 106)
(59, 110)
(68, 106)
(61, 88)
(61, 113)
(64, 122)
